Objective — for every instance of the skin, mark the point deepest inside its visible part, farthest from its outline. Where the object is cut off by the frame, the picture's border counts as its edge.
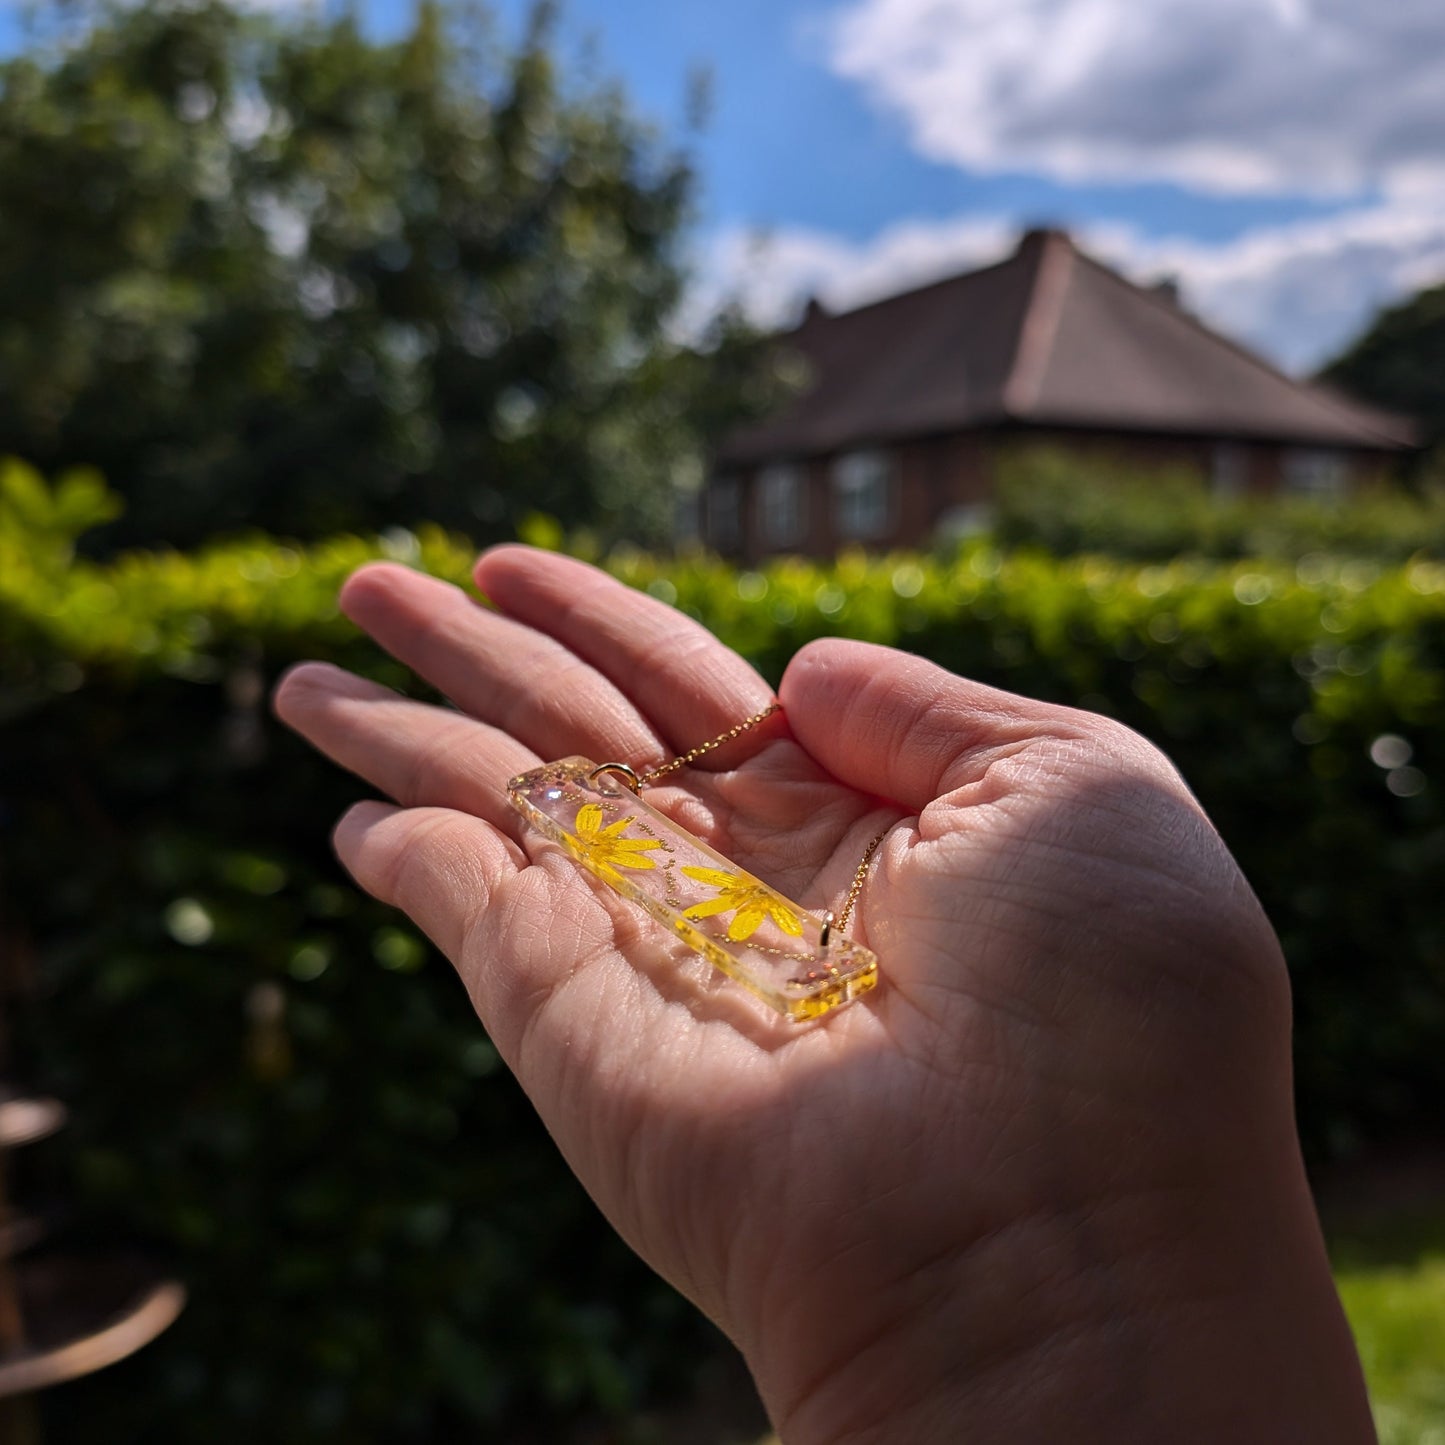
(1043, 1184)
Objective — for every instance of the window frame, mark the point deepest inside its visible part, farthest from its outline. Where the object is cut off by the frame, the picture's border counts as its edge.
(780, 504)
(724, 512)
(1229, 471)
(1316, 474)
(864, 490)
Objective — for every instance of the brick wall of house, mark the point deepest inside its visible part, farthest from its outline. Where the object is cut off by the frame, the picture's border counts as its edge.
(946, 482)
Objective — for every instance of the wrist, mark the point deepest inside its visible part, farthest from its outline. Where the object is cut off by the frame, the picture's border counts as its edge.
(1182, 1315)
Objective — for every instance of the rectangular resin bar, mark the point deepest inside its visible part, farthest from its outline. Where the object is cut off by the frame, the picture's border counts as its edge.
(751, 932)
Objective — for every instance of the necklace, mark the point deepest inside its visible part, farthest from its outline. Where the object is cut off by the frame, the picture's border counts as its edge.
(796, 962)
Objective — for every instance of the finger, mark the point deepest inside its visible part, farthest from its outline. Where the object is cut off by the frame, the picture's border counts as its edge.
(440, 867)
(501, 671)
(420, 755)
(891, 724)
(540, 960)
(688, 684)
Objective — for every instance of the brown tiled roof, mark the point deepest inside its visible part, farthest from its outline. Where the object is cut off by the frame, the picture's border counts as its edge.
(1048, 338)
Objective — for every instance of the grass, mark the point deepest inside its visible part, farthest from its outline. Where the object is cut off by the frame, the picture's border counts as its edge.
(1391, 1277)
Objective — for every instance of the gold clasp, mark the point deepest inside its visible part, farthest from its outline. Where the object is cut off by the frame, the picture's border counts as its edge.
(629, 777)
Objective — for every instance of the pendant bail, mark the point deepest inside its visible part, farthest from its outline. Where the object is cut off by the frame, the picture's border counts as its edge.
(629, 776)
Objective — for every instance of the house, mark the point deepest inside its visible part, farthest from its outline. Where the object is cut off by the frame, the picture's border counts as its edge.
(911, 404)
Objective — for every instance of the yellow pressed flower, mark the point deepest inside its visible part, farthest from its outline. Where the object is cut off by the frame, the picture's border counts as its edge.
(750, 899)
(605, 850)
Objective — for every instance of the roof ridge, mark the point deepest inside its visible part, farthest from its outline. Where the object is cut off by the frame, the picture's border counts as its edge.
(1039, 329)
(1364, 413)
(1340, 404)
(913, 291)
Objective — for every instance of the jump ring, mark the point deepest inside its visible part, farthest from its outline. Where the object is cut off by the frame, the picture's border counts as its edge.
(629, 777)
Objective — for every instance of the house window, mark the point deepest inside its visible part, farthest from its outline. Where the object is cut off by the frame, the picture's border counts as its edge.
(1228, 471)
(1316, 473)
(686, 517)
(782, 506)
(967, 519)
(724, 524)
(863, 495)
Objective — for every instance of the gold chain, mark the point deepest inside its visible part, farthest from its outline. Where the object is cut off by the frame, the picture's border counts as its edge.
(661, 771)
(643, 780)
(858, 880)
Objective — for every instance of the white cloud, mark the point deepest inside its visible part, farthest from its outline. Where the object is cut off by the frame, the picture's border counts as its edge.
(1231, 96)
(1296, 293)
(772, 273)
(1300, 293)
(1339, 98)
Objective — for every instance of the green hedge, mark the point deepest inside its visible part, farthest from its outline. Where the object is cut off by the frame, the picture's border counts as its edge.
(273, 1080)
(1066, 504)
(276, 1081)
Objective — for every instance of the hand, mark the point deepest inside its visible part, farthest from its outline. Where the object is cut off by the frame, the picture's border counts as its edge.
(1043, 1184)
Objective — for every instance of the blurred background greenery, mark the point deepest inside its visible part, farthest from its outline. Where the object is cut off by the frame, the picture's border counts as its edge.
(276, 298)
(272, 273)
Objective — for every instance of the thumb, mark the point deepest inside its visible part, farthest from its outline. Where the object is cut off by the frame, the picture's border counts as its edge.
(888, 723)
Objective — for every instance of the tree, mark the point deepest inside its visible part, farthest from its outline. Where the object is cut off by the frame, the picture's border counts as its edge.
(1399, 362)
(272, 272)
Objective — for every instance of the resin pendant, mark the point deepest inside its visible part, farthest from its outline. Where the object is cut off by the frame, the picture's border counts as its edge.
(769, 944)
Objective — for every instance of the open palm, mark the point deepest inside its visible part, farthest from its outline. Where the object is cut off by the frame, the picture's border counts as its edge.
(1081, 1030)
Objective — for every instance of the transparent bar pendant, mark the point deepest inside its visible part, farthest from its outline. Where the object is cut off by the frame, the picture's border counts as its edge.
(770, 945)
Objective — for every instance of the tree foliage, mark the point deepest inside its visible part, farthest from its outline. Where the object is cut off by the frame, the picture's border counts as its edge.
(273, 272)
(1399, 362)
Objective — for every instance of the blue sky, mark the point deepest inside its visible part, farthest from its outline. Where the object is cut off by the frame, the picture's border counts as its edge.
(1277, 157)
(792, 143)
(1284, 160)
